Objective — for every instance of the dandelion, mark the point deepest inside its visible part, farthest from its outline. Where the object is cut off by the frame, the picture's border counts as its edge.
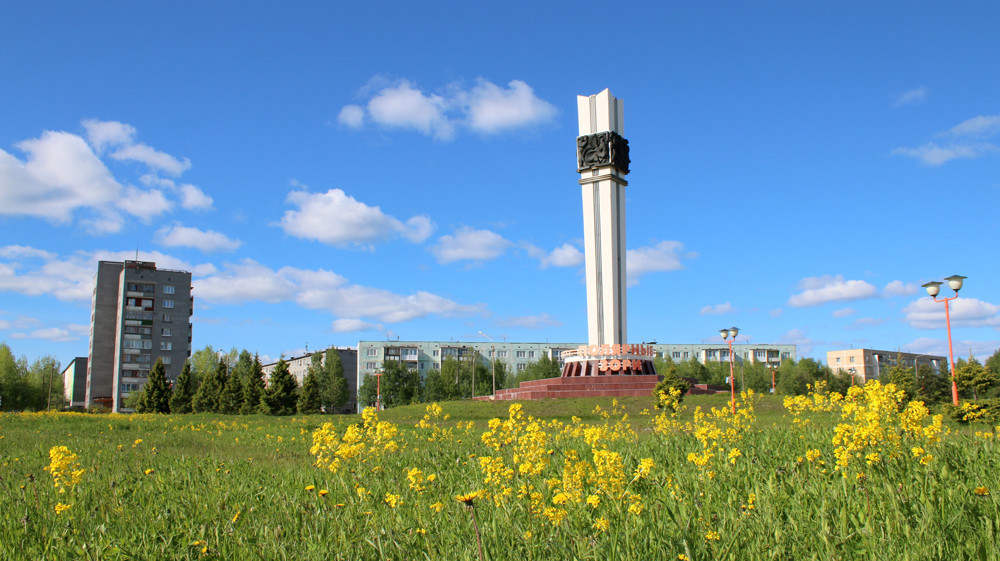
(137, 442)
(323, 492)
(149, 471)
(469, 498)
(310, 487)
(982, 491)
(682, 557)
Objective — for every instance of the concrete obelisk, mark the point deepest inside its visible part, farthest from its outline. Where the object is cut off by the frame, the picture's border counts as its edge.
(602, 160)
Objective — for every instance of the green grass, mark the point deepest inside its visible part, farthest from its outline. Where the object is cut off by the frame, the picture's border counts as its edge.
(207, 468)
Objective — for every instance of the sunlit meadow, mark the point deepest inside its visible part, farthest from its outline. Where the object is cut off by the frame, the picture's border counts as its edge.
(824, 476)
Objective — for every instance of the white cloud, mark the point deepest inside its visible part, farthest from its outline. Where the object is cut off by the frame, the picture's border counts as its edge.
(820, 290)
(566, 255)
(934, 155)
(15, 251)
(338, 219)
(193, 198)
(55, 334)
(982, 126)
(899, 288)
(348, 325)
(492, 109)
(61, 175)
(485, 108)
(205, 240)
(144, 204)
(152, 158)
(404, 106)
(978, 127)
(249, 281)
(664, 256)
(469, 244)
(353, 116)
(803, 343)
(924, 313)
(939, 347)
(911, 97)
(717, 309)
(843, 312)
(540, 321)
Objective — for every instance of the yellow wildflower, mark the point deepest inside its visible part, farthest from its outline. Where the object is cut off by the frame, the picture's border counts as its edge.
(982, 491)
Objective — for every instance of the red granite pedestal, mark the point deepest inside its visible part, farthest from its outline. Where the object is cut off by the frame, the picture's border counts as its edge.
(580, 386)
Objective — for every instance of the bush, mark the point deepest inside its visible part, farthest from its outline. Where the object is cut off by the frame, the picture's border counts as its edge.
(984, 410)
(668, 383)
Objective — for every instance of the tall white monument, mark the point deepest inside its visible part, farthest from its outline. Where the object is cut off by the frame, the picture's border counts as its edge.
(602, 160)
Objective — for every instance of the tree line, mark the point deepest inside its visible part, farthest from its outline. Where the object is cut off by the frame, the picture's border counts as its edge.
(34, 386)
(237, 387)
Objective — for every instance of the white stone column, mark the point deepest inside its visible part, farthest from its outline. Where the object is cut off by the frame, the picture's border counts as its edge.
(603, 189)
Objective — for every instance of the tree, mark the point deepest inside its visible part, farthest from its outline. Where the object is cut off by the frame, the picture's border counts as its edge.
(253, 389)
(310, 399)
(180, 400)
(231, 398)
(932, 387)
(694, 370)
(203, 363)
(903, 377)
(206, 399)
(243, 368)
(368, 392)
(281, 395)
(338, 391)
(156, 392)
(400, 385)
(45, 384)
(14, 387)
(972, 376)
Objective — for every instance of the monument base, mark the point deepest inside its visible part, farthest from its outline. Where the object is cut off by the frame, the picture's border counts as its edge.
(580, 386)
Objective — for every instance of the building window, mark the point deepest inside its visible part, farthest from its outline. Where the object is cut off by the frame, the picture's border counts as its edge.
(531, 354)
(166, 346)
(686, 354)
(436, 352)
(676, 354)
(168, 303)
(502, 354)
(168, 289)
(167, 318)
(372, 352)
(370, 365)
(165, 332)
(785, 354)
(852, 359)
(165, 359)
(520, 354)
(838, 360)
(521, 366)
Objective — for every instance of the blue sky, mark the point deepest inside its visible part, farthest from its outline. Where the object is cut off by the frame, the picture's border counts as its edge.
(340, 171)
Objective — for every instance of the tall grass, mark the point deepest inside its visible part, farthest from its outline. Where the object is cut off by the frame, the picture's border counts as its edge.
(214, 487)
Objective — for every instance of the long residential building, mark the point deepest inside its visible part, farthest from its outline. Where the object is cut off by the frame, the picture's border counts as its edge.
(425, 356)
(139, 313)
(868, 364)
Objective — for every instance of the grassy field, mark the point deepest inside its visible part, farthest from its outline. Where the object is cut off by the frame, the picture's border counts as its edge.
(830, 478)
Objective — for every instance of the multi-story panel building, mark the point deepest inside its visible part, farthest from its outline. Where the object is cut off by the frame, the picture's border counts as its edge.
(75, 382)
(867, 364)
(299, 366)
(424, 356)
(139, 314)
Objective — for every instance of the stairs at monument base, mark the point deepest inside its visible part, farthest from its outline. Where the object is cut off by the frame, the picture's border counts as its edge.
(580, 386)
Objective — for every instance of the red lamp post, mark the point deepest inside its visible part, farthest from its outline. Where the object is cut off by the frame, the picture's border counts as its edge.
(933, 288)
(773, 368)
(378, 390)
(729, 335)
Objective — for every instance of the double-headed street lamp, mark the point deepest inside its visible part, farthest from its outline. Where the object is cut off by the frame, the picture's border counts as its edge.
(729, 335)
(933, 288)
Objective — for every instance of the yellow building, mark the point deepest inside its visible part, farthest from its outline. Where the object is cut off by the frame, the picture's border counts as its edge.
(866, 364)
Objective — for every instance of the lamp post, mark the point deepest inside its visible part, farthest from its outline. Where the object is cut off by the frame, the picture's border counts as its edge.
(852, 371)
(773, 368)
(493, 360)
(729, 335)
(378, 390)
(933, 288)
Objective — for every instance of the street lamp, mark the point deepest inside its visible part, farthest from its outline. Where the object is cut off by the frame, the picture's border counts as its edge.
(933, 288)
(493, 360)
(729, 335)
(773, 367)
(852, 371)
(378, 390)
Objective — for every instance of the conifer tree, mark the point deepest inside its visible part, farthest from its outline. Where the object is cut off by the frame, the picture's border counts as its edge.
(253, 389)
(231, 399)
(206, 399)
(309, 397)
(156, 392)
(180, 400)
(281, 394)
(337, 392)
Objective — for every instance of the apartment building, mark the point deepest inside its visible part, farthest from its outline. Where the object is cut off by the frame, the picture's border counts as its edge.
(138, 314)
(867, 364)
(298, 367)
